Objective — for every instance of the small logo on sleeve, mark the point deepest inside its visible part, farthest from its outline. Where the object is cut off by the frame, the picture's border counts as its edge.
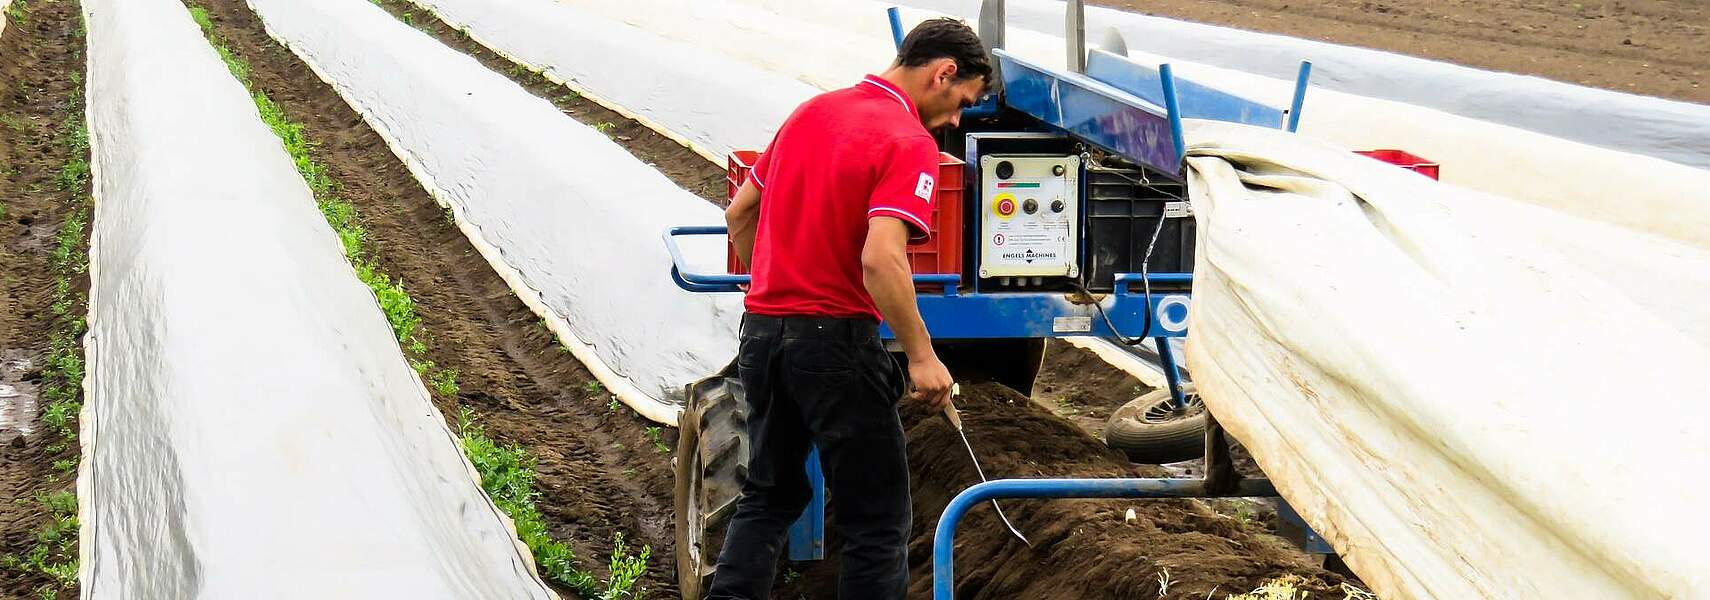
(923, 188)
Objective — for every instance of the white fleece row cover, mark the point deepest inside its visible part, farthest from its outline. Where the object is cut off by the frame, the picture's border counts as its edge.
(733, 105)
(1666, 129)
(252, 429)
(1470, 397)
(568, 217)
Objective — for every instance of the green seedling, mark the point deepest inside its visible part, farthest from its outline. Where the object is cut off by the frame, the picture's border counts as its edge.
(654, 436)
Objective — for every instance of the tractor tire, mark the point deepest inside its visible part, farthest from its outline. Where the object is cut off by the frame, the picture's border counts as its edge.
(1150, 431)
(710, 466)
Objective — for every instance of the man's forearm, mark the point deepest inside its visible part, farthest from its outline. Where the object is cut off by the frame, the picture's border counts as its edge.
(892, 287)
(742, 217)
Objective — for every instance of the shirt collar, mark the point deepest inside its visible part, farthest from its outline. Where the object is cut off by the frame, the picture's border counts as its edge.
(891, 90)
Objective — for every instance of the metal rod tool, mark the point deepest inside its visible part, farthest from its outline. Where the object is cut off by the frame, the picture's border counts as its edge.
(955, 419)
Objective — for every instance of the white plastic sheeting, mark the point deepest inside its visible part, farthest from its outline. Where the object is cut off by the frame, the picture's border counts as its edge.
(1469, 396)
(1665, 129)
(734, 105)
(569, 218)
(251, 429)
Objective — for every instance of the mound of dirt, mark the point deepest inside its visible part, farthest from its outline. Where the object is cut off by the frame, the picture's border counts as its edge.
(1082, 548)
(1079, 385)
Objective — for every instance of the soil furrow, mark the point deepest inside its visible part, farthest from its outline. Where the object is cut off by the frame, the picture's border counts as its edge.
(41, 75)
(599, 472)
(1652, 47)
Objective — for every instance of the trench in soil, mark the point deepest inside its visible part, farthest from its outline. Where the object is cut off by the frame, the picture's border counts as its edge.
(41, 75)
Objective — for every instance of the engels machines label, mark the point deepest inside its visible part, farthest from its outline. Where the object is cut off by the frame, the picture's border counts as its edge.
(1030, 217)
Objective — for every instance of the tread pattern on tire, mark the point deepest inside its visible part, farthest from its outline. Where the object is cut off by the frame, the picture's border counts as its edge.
(711, 464)
(1156, 443)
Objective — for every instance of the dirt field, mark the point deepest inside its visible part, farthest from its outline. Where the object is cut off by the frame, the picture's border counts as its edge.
(1652, 47)
(41, 68)
(1081, 548)
(599, 472)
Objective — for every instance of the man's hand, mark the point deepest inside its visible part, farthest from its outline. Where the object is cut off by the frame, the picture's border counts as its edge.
(931, 382)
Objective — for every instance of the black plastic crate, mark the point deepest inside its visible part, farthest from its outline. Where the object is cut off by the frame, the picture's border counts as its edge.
(1122, 210)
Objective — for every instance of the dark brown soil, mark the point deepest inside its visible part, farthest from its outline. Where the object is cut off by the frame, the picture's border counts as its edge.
(1652, 47)
(1080, 386)
(599, 472)
(1081, 548)
(41, 68)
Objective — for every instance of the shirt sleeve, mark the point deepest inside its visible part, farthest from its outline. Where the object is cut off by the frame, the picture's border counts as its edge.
(907, 185)
(763, 165)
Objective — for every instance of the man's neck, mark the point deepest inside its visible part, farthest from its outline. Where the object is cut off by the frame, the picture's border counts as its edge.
(907, 80)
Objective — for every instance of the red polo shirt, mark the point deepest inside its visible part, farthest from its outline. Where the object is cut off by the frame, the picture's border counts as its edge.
(843, 157)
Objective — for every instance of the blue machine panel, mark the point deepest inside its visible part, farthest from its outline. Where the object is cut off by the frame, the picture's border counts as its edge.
(1098, 113)
(1196, 101)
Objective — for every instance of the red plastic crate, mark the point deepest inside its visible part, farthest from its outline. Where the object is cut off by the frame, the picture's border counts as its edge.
(941, 254)
(1405, 160)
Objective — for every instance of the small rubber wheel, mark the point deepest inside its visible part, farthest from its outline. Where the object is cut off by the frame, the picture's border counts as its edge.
(1151, 431)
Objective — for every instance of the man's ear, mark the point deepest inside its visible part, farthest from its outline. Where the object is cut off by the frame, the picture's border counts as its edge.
(945, 74)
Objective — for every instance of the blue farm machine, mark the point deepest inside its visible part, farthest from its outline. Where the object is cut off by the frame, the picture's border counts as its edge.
(1071, 218)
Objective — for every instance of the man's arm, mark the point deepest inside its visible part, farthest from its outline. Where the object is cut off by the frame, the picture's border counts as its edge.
(743, 218)
(884, 264)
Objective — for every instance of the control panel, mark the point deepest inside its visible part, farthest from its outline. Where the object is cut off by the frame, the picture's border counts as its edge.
(1030, 215)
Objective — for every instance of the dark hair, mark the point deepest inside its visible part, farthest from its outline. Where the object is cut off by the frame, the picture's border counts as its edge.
(946, 38)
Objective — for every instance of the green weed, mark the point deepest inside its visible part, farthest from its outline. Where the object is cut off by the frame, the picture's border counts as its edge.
(593, 386)
(626, 570)
(54, 552)
(19, 12)
(604, 126)
(508, 476)
(654, 436)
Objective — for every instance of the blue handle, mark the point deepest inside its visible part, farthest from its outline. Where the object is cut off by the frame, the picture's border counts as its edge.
(1173, 106)
(896, 26)
(944, 549)
(704, 283)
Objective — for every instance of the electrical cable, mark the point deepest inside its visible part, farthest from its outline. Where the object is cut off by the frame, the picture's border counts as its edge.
(1145, 286)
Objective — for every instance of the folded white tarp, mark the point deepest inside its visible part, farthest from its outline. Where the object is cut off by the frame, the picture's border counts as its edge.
(1470, 397)
(251, 429)
(1665, 129)
(570, 219)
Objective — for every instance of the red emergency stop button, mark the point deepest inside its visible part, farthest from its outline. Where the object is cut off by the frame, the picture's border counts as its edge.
(1006, 207)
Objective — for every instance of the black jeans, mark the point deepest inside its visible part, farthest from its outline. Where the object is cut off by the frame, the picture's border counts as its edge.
(830, 384)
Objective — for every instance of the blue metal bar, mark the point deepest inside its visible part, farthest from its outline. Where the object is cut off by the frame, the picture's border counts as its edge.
(1172, 372)
(1172, 106)
(943, 540)
(807, 534)
(725, 282)
(1198, 101)
(895, 15)
(1299, 95)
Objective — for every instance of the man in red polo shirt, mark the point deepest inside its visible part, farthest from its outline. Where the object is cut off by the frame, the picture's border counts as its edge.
(824, 221)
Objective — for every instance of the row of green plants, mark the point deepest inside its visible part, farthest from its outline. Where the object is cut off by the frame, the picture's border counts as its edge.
(54, 551)
(507, 471)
